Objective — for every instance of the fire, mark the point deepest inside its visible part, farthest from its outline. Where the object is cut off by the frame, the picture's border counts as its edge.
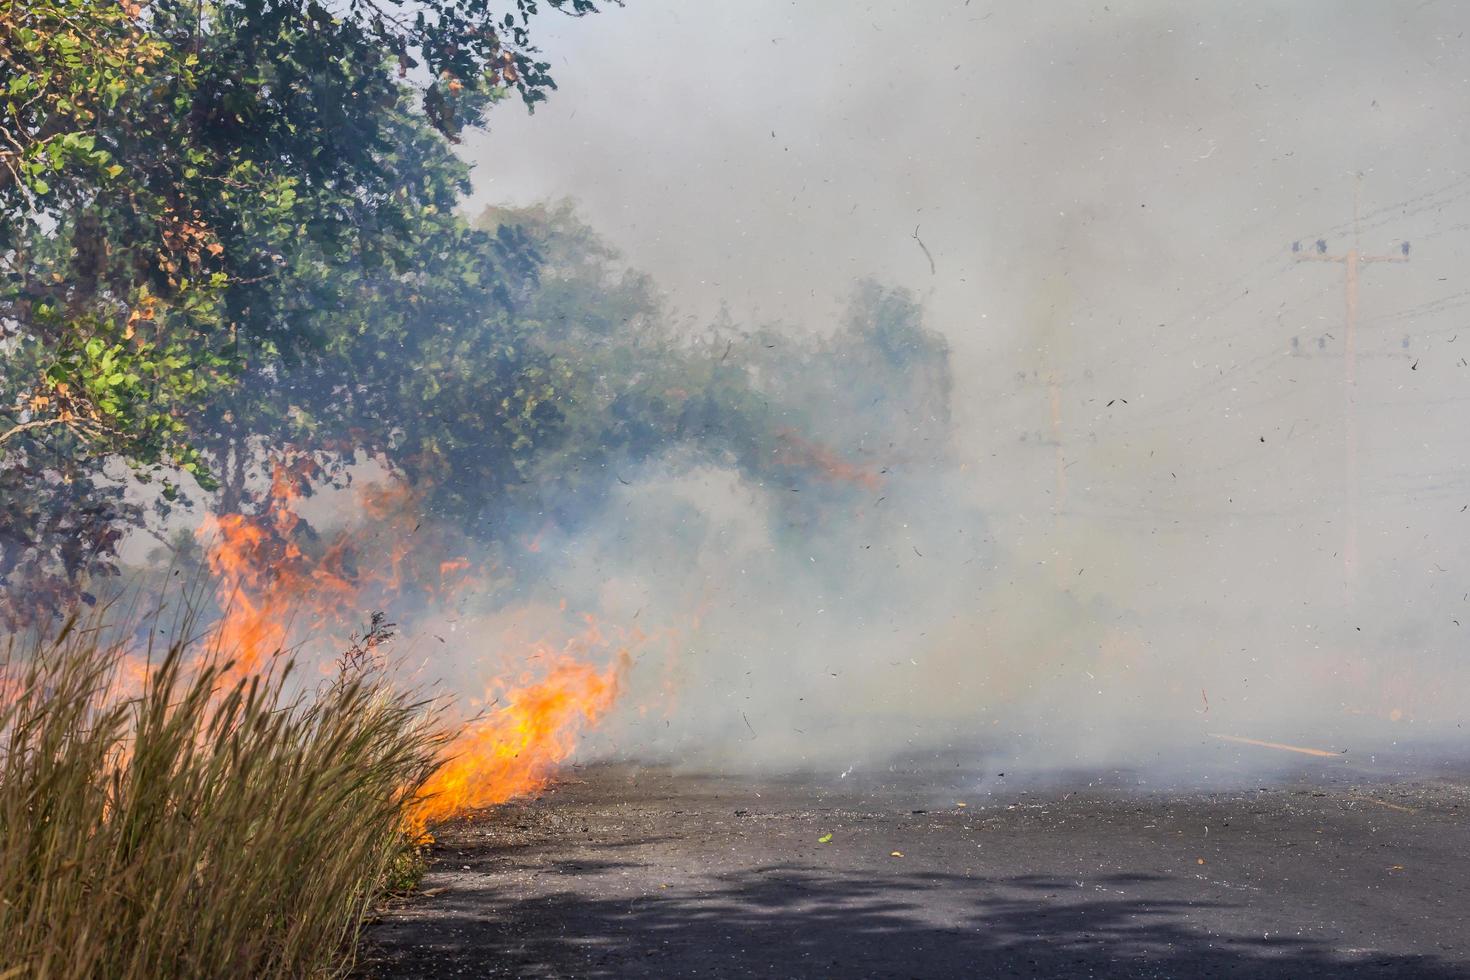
(262, 571)
(452, 568)
(271, 569)
(267, 574)
(515, 750)
(798, 452)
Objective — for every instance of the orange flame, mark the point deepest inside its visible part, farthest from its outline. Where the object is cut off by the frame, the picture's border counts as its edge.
(798, 452)
(266, 574)
(516, 751)
(270, 568)
(264, 577)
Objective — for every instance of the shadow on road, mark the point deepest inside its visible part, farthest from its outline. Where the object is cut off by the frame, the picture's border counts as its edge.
(802, 921)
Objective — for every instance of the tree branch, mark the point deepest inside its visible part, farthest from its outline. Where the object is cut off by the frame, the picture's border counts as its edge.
(23, 427)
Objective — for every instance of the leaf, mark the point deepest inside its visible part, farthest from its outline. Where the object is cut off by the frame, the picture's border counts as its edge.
(825, 838)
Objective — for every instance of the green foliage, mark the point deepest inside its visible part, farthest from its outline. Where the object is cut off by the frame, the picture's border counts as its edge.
(93, 251)
(191, 195)
(882, 373)
(279, 268)
(67, 63)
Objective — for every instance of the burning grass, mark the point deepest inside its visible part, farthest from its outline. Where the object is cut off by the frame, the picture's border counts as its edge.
(539, 697)
(509, 753)
(205, 812)
(205, 825)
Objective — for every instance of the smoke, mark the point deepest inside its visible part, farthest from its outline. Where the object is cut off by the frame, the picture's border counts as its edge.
(1136, 537)
(1113, 526)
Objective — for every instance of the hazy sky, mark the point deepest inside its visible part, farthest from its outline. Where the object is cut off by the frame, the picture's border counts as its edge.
(762, 152)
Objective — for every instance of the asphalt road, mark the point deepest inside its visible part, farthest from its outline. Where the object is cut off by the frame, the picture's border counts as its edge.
(621, 871)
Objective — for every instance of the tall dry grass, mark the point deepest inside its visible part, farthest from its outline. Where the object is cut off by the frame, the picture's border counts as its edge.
(200, 826)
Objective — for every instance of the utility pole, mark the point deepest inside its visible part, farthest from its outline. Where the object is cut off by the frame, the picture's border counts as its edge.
(1350, 260)
(1049, 316)
(1059, 498)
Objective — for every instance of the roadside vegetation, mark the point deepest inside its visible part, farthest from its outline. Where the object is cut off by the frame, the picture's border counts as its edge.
(169, 819)
(234, 262)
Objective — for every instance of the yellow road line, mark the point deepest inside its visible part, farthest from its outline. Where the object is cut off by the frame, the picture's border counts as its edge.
(1320, 753)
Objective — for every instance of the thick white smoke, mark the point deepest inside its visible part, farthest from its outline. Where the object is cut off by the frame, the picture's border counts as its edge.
(1137, 540)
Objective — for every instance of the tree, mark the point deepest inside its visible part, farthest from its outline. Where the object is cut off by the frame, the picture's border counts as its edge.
(231, 240)
(170, 172)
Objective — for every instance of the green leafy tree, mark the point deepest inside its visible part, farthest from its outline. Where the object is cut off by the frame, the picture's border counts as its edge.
(178, 181)
(231, 237)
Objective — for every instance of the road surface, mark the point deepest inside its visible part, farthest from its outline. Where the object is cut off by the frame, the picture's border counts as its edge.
(630, 872)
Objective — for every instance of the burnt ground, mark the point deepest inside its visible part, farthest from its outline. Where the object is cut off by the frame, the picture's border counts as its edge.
(621, 871)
